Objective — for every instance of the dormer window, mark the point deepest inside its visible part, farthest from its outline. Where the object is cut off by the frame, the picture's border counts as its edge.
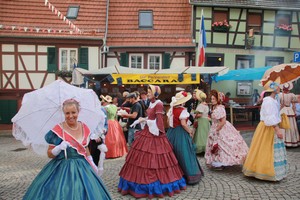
(145, 20)
(72, 12)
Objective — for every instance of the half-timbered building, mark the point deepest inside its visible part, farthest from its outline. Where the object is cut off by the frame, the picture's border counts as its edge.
(41, 41)
(246, 34)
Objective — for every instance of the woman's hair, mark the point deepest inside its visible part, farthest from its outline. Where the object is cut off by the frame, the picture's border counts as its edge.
(70, 102)
(215, 93)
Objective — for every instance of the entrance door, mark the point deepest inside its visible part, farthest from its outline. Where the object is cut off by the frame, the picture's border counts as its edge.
(8, 109)
(211, 60)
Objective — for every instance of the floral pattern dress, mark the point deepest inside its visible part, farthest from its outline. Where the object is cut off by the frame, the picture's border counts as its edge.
(226, 147)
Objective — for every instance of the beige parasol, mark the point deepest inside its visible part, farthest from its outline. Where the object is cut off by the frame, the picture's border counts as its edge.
(286, 72)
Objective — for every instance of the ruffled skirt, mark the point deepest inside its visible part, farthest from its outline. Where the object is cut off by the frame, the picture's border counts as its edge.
(151, 168)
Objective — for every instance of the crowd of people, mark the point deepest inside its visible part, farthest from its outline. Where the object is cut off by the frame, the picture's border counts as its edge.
(159, 160)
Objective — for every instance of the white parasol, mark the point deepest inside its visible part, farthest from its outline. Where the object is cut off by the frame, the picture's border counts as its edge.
(41, 110)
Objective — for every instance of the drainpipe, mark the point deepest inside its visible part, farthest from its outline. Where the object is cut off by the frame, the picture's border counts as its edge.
(105, 34)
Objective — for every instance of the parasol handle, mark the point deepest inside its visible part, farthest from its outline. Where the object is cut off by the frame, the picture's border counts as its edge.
(66, 154)
(63, 131)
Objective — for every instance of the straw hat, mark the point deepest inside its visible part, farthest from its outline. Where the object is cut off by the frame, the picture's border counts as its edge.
(287, 86)
(125, 93)
(180, 98)
(200, 95)
(106, 98)
(271, 86)
(155, 90)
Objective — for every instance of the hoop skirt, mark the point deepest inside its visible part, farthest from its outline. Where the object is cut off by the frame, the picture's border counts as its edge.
(266, 159)
(185, 154)
(115, 140)
(151, 168)
(226, 147)
(71, 178)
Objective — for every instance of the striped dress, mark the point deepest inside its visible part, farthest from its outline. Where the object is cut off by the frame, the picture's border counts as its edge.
(266, 159)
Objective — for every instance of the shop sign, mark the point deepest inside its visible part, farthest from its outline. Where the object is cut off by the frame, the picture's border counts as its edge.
(156, 79)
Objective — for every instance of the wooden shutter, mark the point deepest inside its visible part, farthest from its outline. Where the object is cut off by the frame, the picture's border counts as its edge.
(83, 58)
(124, 60)
(166, 61)
(52, 60)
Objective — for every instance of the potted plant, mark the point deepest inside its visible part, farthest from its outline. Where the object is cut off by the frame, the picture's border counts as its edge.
(221, 26)
(249, 41)
(283, 29)
(64, 73)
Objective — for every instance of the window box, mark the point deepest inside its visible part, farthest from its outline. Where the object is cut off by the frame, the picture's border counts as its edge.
(222, 26)
(283, 29)
(220, 29)
(282, 32)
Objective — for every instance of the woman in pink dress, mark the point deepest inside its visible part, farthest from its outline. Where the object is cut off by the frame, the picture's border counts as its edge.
(151, 168)
(225, 146)
(115, 139)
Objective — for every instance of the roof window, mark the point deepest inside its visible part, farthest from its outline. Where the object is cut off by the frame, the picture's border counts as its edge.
(72, 12)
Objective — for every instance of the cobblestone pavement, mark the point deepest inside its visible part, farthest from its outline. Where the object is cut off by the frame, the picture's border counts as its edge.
(20, 165)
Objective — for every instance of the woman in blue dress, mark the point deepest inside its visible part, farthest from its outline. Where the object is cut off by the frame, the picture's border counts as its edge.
(74, 176)
(180, 136)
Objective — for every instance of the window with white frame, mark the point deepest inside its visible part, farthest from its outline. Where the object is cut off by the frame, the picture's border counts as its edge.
(136, 61)
(67, 58)
(154, 61)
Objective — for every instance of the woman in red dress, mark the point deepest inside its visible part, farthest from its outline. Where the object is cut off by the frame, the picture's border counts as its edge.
(151, 168)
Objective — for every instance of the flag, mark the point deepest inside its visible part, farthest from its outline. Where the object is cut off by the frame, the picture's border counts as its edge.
(202, 42)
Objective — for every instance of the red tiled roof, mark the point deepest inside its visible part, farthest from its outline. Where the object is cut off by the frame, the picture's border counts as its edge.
(17, 15)
(171, 23)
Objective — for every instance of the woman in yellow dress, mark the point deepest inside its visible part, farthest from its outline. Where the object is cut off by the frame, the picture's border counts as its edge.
(266, 158)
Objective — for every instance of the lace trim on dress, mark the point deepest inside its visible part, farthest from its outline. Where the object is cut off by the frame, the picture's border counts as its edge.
(153, 128)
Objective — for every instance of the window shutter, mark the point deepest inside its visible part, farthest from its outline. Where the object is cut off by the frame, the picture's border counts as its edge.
(83, 58)
(166, 61)
(52, 60)
(124, 60)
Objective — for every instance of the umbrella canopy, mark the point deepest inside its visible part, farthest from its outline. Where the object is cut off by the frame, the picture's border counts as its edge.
(286, 72)
(41, 110)
(242, 74)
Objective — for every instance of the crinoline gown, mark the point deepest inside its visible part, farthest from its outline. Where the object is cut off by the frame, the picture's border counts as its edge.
(266, 159)
(232, 149)
(201, 134)
(183, 145)
(115, 139)
(291, 135)
(71, 178)
(151, 168)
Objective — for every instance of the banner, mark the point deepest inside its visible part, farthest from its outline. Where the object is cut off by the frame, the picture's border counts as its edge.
(156, 79)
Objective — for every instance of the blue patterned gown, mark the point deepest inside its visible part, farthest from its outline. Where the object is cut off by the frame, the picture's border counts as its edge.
(71, 178)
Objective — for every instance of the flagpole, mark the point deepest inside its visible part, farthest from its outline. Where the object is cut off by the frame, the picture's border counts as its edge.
(201, 42)
(200, 35)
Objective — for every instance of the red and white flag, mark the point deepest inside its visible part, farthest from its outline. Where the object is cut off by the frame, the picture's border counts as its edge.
(202, 42)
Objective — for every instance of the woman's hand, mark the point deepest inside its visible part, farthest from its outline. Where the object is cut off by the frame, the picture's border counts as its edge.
(278, 132)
